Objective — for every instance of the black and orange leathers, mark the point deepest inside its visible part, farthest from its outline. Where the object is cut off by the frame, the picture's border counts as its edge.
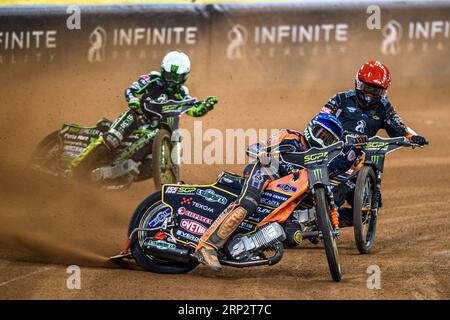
(257, 175)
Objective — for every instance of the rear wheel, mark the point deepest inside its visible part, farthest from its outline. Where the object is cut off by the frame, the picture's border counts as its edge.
(151, 213)
(163, 168)
(329, 239)
(364, 220)
(45, 156)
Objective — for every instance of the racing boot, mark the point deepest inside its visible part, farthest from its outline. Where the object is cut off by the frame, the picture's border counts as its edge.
(94, 155)
(216, 236)
(345, 217)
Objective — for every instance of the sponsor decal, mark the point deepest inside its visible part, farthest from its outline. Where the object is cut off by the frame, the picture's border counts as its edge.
(171, 190)
(97, 40)
(183, 190)
(211, 196)
(351, 109)
(360, 126)
(316, 157)
(419, 35)
(27, 46)
(317, 174)
(184, 212)
(274, 41)
(237, 38)
(375, 146)
(186, 200)
(161, 245)
(192, 226)
(286, 187)
(133, 43)
(188, 236)
(160, 218)
(202, 206)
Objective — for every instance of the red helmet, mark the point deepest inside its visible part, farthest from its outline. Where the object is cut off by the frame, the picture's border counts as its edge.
(372, 81)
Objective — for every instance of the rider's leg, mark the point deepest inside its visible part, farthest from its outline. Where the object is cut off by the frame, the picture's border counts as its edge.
(216, 236)
(99, 152)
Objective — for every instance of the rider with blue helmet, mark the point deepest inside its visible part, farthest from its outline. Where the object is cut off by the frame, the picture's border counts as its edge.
(323, 130)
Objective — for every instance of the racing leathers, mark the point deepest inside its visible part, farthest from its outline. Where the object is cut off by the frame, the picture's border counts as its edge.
(148, 86)
(257, 176)
(356, 120)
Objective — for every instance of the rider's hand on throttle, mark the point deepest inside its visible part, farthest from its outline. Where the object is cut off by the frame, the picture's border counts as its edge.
(210, 102)
(419, 140)
(361, 140)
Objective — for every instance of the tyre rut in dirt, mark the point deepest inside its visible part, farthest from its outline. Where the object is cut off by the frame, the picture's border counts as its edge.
(323, 220)
(363, 219)
(164, 170)
(144, 213)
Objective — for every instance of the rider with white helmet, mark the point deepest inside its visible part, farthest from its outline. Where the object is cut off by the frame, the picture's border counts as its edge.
(168, 84)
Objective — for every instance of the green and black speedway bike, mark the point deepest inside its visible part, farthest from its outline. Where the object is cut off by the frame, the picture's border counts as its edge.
(145, 153)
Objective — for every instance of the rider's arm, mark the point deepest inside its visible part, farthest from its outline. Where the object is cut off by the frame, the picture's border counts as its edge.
(343, 161)
(334, 104)
(201, 108)
(393, 123)
(138, 88)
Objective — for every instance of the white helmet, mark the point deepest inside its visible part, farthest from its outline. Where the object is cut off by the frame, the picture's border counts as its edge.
(175, 67)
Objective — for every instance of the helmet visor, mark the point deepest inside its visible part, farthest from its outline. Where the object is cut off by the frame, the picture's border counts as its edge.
(323, 134)
(374, 91)
(174, 77)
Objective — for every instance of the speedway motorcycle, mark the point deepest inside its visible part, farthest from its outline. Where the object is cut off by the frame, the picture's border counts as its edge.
(361, 186)
(167, 226)
(145, 153)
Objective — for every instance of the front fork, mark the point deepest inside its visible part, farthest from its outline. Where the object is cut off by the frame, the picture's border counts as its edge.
(377, 200)
(334, 211)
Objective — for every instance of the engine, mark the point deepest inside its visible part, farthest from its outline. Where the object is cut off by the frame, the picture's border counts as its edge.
(243, 248)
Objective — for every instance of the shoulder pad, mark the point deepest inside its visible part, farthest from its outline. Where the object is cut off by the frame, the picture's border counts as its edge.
(349, 93)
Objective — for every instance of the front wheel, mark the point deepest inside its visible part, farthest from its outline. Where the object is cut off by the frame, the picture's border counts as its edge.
(329, 239)
(151, 213)
(364, 219)
(163, 168)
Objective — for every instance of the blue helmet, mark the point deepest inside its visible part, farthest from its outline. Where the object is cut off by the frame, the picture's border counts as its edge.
(323, 130)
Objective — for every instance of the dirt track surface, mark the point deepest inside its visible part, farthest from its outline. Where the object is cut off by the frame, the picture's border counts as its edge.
(46, 225)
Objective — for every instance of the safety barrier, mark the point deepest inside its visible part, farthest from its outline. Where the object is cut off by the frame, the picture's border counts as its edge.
(286, 42)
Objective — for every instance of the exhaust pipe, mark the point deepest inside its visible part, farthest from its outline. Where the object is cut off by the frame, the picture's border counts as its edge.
(166, 250)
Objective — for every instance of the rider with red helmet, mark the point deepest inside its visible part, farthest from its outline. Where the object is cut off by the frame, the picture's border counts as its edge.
(366, 110)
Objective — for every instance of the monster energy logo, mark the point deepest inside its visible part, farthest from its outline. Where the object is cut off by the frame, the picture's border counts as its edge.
(174, 68)
(317, 174)
(374, 159)
(170, 121)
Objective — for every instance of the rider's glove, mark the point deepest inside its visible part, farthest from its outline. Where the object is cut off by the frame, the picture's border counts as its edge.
(210, 102)
(419, 140)
(134, 104)
(361, 140)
